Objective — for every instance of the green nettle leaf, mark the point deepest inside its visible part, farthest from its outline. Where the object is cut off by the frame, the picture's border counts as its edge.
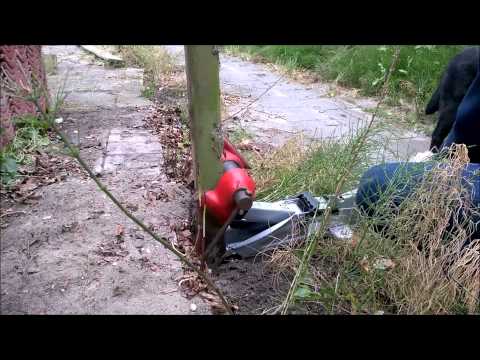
(303, 292)
(9, 165)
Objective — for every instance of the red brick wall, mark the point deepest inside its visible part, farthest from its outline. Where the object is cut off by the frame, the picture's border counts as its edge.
(22, 65)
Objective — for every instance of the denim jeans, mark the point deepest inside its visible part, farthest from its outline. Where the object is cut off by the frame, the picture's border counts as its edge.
(399, 179)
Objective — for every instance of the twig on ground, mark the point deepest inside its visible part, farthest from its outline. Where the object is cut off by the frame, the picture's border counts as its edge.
(13, 213)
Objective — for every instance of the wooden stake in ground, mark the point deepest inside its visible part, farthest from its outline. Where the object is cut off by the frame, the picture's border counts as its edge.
(202, 68)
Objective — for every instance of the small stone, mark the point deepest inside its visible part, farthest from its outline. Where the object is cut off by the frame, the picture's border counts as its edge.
(193, 307)
(97, 170)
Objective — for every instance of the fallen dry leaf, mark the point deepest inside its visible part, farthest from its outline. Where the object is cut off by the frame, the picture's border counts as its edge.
(355, 239)
(364, 264)
(383, 264)
(245, 144)
(29, 185)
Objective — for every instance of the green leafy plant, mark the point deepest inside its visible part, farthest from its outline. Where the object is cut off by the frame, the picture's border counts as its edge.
(30, 135)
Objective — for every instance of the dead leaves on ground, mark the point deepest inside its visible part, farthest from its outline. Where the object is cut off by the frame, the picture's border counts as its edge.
(166, 122)
(248, 145)
(110, 252)
(191, 283)
(146, 263)
(46, 169)
(183, 238)
(153, 195)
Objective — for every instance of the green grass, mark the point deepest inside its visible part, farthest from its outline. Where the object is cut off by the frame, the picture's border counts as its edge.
(363, 66)
(316, 167)
(238, 135)
(30, 135)
(153, 59)
(343, 276)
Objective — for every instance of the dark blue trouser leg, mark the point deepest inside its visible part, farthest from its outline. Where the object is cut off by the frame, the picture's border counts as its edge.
(399, 179)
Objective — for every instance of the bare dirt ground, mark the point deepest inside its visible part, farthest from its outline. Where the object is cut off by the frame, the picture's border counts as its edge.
(69, 250)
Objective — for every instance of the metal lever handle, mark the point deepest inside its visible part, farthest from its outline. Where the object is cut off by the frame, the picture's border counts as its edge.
(243, 202)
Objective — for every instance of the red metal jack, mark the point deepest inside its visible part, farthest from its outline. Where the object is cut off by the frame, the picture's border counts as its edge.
(235, 188)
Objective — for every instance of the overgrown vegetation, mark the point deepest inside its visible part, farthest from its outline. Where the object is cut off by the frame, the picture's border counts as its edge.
(364, 67)
(153, 59)
(416, 265)
(30, 135)
(407, 257)
(315, 167)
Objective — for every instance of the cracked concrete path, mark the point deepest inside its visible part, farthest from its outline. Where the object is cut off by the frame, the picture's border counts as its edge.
(64, 256)
(290, 108)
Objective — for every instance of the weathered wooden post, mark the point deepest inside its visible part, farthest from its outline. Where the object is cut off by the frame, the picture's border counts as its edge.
(202, 68)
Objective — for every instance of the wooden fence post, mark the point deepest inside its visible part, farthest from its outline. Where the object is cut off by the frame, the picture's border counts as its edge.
(202, 68)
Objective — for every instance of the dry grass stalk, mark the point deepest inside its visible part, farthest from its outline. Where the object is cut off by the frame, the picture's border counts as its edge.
(153, 59)
(437, 272)
(265, 166)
